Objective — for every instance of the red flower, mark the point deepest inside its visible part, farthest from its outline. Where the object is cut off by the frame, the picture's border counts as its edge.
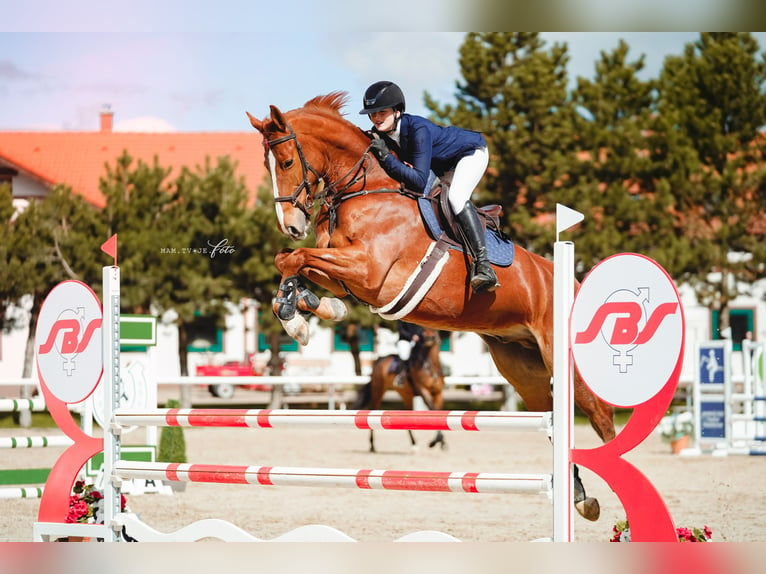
(704, 534)
(78, 510)
(85, 502)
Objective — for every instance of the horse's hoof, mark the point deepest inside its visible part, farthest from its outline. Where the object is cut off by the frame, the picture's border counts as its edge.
(337, 308)
(297, 328)
(589, 509)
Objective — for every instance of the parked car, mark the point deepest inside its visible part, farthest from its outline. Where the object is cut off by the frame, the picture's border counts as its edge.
(230, 369)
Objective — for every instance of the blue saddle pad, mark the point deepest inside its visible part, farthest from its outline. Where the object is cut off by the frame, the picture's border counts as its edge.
(499, 250)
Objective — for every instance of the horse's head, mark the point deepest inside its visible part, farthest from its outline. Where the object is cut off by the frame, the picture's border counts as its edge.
(428, 347)
(292, 177)
(293, 146)
(431, 337)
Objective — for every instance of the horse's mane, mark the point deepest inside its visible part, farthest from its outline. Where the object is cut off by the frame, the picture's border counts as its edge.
(329, 106)
(329, 103)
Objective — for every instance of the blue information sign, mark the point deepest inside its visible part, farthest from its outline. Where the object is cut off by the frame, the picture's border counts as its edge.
(712, 419)
(712, 365)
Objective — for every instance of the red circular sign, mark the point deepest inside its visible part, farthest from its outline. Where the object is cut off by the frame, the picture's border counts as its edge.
(68, 341)
(627, 329)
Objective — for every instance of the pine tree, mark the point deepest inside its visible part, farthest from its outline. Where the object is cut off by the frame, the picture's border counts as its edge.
(713, 101)
(616, 181)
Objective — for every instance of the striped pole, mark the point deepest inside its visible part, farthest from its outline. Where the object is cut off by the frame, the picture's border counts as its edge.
(365, 479)
(7, 493)
(376, 420)
(16, 405)
(34, 441)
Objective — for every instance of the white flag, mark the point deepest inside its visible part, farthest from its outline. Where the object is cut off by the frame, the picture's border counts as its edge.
(566, 218)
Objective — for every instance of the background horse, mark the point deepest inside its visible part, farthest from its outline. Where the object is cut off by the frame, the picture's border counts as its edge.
(423, 377)
(371, 243)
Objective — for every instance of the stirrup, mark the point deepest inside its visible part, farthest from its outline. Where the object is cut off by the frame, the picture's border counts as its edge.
(483, 282)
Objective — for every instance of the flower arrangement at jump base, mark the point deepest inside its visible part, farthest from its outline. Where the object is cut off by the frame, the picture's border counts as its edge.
(621, 533)
(86, 504)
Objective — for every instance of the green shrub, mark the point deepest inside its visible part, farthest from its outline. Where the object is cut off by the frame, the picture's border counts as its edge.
(172, 442)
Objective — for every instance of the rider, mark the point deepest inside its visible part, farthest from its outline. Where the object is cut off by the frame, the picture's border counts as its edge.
(426, 147)
(410, 335)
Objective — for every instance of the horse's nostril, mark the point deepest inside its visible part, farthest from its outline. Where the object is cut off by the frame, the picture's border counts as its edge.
(296, 233)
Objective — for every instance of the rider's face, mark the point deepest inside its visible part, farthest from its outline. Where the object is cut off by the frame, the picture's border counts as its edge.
(384, 120)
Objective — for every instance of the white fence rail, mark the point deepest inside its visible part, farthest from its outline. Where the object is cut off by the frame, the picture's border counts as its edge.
(334, 384)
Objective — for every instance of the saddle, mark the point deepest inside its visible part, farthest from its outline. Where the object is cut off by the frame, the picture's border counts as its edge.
(440, 222)
(445, 233)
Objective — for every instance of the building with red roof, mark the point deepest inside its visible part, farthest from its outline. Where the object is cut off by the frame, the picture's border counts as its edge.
(35, 161)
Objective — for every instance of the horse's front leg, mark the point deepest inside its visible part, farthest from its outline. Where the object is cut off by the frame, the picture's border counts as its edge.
(326, 267)
(292, 297)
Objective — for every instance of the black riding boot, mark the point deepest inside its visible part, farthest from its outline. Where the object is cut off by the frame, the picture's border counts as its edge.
(401, 370)
(483, 277)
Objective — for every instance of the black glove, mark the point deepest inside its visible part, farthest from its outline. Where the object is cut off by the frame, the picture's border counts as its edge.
(379, 149)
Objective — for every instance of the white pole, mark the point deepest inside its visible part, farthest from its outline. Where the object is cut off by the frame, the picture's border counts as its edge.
(110, 329)
(563, 396)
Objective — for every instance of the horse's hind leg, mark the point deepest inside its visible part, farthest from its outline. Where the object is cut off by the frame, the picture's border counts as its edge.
(435, 402)
(586, 506)
(438, 439)
(526, 371)
(413, 443)
(599, 413)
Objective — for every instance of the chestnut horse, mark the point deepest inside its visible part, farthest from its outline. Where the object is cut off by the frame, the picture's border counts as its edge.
(371, 243)
(423, 377)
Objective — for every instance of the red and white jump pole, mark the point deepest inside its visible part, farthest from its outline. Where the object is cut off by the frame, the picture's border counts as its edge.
(363, 479)
(363, 419)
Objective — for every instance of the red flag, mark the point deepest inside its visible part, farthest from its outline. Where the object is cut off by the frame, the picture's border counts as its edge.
(110, 247)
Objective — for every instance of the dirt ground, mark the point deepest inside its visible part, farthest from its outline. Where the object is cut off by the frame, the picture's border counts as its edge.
(725, 493)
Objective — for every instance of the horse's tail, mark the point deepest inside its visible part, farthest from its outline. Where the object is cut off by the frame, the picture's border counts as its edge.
(363, 397)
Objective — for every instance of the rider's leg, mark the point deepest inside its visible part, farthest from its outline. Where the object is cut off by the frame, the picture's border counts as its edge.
(468, 172)
(404, 350)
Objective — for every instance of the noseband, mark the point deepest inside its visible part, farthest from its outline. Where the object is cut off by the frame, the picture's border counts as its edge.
(305, 166)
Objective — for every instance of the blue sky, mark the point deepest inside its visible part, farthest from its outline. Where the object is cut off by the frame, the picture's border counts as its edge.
(204, 81)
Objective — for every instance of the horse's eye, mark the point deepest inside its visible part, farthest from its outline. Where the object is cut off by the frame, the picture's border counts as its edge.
(288, 164)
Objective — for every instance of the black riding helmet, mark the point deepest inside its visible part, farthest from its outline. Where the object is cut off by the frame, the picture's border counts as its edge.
(381, 96)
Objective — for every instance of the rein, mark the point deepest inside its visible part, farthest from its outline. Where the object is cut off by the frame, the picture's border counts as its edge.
(332, 196)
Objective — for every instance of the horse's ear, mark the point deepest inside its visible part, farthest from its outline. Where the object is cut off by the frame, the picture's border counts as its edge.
(278, 118)
(255, 122)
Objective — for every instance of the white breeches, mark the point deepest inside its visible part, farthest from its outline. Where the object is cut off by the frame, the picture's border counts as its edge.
(466, 176)
(404, 349)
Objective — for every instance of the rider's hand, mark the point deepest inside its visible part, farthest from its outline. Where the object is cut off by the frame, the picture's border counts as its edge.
(379, 149)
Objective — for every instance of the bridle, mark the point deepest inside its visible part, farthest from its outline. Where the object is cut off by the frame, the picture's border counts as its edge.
(305, 166)
(332, 196)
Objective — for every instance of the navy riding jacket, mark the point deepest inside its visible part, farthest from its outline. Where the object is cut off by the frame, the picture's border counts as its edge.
(427, 146)
(408, 330)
